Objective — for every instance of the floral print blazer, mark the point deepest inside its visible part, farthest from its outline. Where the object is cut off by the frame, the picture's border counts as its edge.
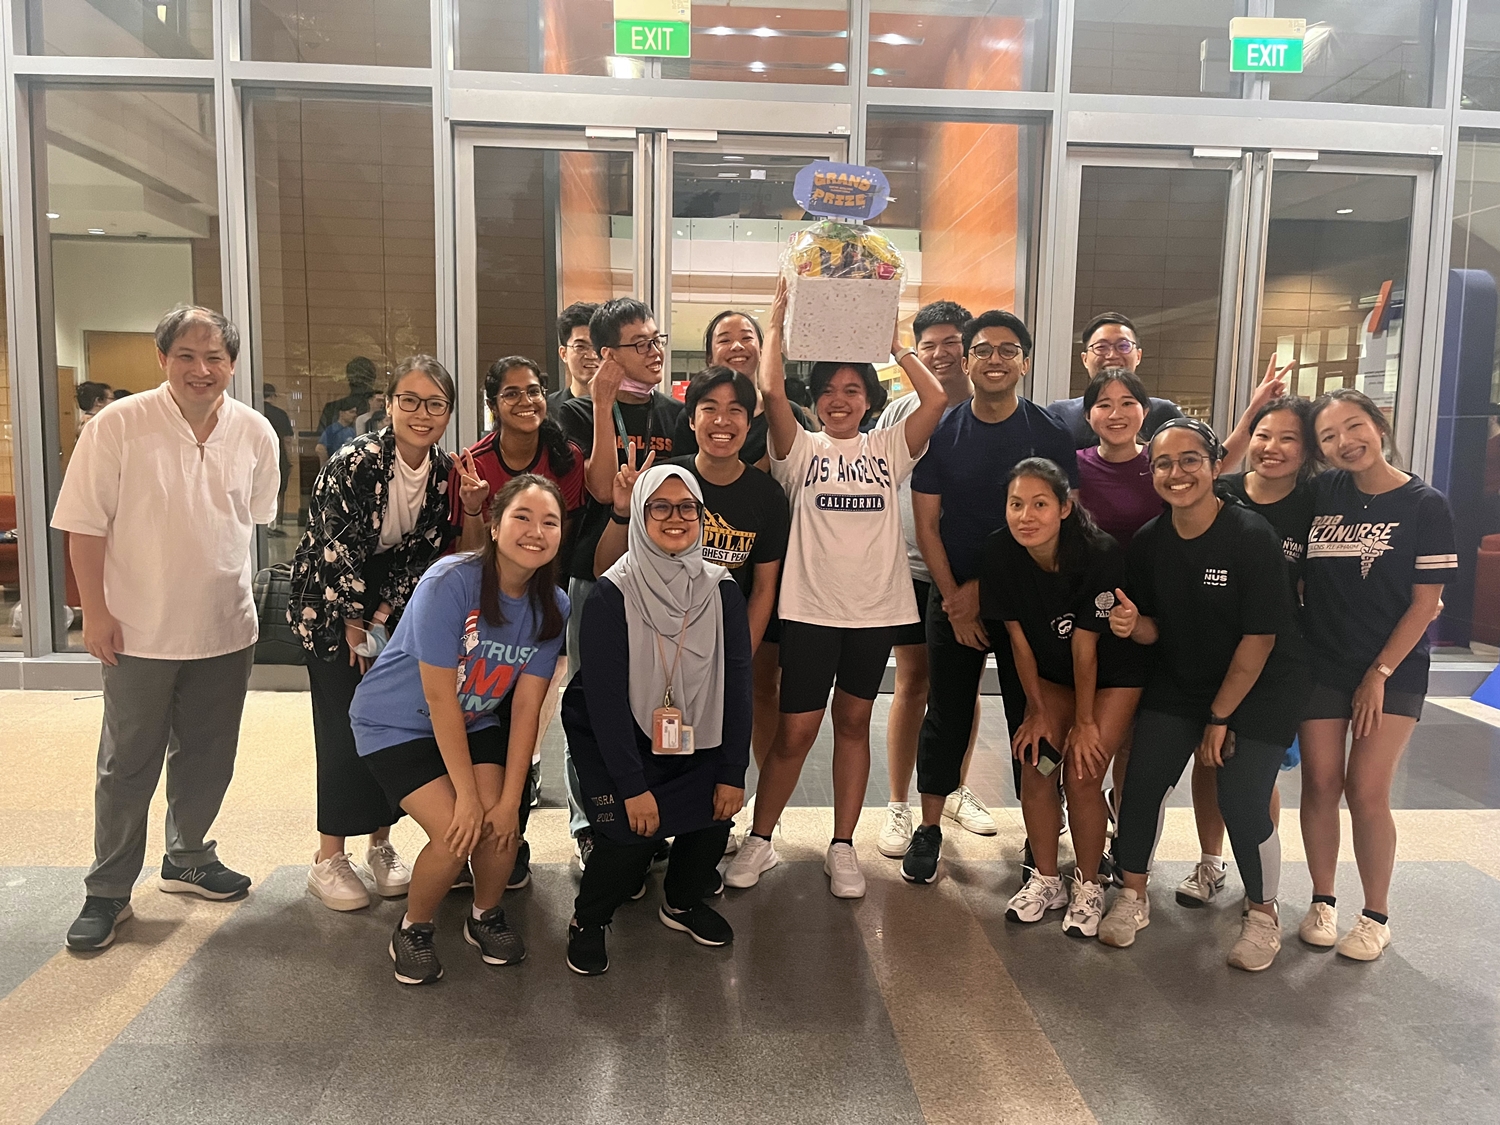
(343, 531)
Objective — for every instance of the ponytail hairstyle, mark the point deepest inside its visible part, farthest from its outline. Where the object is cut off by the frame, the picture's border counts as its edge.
(541, 591)
(1079, 538)
(1365, 403)
(1302, 410)
(554, 440)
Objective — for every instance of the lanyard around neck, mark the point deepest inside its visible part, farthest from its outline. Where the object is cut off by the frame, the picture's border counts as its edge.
(676, 660)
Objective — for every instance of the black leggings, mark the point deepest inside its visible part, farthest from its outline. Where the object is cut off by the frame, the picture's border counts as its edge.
(1163, 746)
(615, 872)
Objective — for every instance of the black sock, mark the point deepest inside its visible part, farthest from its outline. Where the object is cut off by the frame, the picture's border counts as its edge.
(1326, 899)
(1381, 918)
(761, 835)
(836, 840)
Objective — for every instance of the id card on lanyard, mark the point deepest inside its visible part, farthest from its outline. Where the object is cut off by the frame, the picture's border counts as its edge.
(669, 734)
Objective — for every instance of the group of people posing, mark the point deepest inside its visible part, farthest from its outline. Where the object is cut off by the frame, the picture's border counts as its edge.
(696, 579)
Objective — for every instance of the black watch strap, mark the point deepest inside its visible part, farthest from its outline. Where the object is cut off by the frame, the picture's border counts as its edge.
(1216, 721)
(615, 517)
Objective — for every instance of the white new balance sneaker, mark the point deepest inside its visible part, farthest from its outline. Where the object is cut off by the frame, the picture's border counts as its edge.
(1040, 894)
(1085, 909)
(1259, 942)
(1130, 914)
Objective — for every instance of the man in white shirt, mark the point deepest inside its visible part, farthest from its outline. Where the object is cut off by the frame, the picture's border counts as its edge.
(160, 504)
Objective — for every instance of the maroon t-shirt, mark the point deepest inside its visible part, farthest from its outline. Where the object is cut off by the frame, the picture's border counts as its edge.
(1119, 495)
(486, 453)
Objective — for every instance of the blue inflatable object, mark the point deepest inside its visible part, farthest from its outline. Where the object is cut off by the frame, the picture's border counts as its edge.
(1489, 691)
(1293, 757)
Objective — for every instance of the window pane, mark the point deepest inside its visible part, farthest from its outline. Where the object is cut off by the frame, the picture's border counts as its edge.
(1370, 52)
(346, 254)
(11, 625)
(1176, 47)
(1481, 83)
(127, 182)
(367, 32)
(964, 209)
(1466, 461)
(806, 42)
(176, 29)
(1151, 246)
(960, 44)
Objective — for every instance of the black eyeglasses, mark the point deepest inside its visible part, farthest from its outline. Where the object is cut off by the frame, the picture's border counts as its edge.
(1118, 347)
(689, 511)
(1189, 462)
(512, 395)
(437, 407)
(1005, 351)
(642, 347)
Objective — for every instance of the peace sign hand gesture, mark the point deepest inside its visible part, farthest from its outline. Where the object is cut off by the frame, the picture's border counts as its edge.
(624, 482)
(473, 489)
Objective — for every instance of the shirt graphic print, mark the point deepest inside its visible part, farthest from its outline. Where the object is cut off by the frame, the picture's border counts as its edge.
(725, 544)
(1332, 538)
(487, 669)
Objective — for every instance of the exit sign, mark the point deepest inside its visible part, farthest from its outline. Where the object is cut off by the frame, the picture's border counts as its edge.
(653, 28)
(1266, 46)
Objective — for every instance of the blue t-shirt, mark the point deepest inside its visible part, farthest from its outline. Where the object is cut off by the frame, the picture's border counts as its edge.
(335, 437)
(442, 626)
(966, 464)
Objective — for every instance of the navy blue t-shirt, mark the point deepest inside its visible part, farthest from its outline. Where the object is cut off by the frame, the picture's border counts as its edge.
(967, 462)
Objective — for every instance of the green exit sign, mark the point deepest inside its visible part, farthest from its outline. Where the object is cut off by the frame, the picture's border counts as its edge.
(653, 38)
(1266, 46)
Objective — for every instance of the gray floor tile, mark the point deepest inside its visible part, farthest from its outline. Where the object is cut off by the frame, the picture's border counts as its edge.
(37, 904)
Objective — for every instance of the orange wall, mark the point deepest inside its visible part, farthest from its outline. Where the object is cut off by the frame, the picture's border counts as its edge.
(583, 226)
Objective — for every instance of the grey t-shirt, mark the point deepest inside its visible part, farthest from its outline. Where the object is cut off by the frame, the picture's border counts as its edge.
(893, 415)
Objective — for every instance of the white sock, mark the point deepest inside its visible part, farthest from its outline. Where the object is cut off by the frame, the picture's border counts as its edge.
(475, 912)
(1216, 860)
(406, 921)
(899, 806)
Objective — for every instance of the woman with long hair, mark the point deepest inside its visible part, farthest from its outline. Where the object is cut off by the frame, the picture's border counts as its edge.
(446, 718)
(1379, 552)
(1041, 583)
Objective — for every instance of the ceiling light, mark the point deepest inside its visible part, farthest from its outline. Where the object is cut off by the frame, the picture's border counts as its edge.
(1344, 211)
(734, 158)
(758, 67)
(729, 175)
(53, 215)
(894, 40)
(762, 32)
(837, 68)
(721, 30)
(96, 230)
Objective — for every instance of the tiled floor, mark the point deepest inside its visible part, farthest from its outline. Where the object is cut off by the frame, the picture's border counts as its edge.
(915, 1004)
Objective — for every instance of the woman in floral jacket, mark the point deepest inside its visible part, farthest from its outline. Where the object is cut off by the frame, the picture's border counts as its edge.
(379, 516)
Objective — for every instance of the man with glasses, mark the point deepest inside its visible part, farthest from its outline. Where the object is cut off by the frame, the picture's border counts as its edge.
(1109, 340)
(938, 330)
(958, 498)
(579, 359)
(625, 412)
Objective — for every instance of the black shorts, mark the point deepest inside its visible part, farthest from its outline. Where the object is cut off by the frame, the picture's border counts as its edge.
(815, 657)
(1335, 703)
(915, 634)
(406, 767)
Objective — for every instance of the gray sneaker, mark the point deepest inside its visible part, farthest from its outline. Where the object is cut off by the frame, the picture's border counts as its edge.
(497, 943)
(1128, 916)
(1260, 941)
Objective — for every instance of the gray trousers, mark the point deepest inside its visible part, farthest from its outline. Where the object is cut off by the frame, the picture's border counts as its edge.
(186, 712)
(578, 593)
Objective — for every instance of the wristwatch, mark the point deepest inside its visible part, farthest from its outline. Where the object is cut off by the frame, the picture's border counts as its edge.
(1385, 670)
(381, 617)
(904, 352)
(1217, 721)
(615, 517)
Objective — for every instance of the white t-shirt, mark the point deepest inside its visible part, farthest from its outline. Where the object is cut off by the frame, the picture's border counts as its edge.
(846, 559)
(891, 417)
(178, 519)
(406, 494)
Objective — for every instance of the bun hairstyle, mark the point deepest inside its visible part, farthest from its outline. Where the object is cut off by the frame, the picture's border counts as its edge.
(1303, 410)
(1079, 538)
(1365, 403)
(541, 591)
(1205, 434)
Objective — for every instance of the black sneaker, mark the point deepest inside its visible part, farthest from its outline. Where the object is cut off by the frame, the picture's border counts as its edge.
(1107, 873)
(586, 952)
(640, 892)
(703, 923)
(497, 943)
(212, 880)
(663, 852)
(464, 880)
(412, 950)
(94, 928)
(520, 874)
(920, 864)
(718, 888)
(583, 848)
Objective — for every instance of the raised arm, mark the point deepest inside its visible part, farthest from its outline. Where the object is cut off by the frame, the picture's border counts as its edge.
(1272, 386)
(604, 456)
(930, 394)
(780, 421)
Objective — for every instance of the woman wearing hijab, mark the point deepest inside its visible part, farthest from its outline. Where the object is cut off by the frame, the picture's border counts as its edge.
(659, 718)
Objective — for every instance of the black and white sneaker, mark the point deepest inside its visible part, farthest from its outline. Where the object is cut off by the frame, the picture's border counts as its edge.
(718, 888)
(1028, 863)
(663, 852)
(211, 880)
(412, 950)
(640, 892)
(586, 952)
(520, 874)
(464, 880)
(703, 923)
(920, 864)
(95, 926)
(583, 847)
(497, 943)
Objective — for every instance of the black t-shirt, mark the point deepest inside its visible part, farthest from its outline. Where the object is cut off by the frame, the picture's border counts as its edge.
(1364, 554)
(556, 399)
(282, 424)
(1206, 594)
(1050, 605)
(1290, 517)
(685, 442)
(747, 522)
(651, 424)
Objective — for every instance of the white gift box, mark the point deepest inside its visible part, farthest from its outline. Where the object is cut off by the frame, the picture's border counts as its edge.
(849, 320)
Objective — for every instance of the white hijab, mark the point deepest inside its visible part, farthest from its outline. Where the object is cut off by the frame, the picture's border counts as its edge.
(665, 595)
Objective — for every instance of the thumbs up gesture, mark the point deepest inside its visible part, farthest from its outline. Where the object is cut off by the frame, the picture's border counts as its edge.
(1123, 616)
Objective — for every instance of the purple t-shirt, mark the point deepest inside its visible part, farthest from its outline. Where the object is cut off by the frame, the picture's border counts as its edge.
(1119, 495)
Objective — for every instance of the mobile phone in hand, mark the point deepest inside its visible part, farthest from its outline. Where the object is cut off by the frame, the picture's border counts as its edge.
(1048, 758)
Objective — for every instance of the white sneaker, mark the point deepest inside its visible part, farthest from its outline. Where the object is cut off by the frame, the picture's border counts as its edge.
(1040, 894)
(1199, 888)
(841, 866)
(755, 858)
(1085, 909)
(969, 811)
(747, 817)
(388, 869)
(895, 837)
(1320, 926)
(335, 882)
(1259, 942)
(1129, 915)
(1366, 941)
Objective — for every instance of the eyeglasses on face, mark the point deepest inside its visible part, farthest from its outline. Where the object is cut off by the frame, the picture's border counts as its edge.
(437, 407)
(513, 395)
(642, 347)
(1189, 462)
(661, 510)
(1004, 351)
(1121, 346)
(581, 348)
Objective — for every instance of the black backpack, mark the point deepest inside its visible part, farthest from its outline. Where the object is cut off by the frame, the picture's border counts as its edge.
(277, 644)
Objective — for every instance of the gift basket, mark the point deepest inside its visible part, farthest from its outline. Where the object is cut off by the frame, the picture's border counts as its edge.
(844, 278)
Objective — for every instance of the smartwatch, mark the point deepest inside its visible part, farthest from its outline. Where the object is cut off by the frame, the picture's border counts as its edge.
(381, 617)
(1216, 721)
(615, 517)
(1385, 670)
